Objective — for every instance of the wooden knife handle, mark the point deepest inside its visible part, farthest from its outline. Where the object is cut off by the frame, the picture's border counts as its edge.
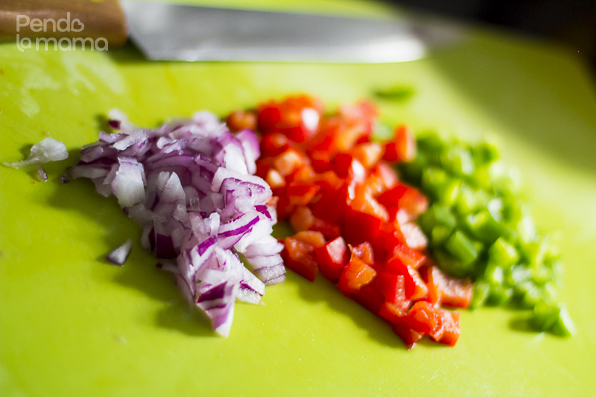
(96, 18)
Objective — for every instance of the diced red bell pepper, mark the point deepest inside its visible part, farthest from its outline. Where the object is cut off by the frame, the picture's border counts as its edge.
(332, 206)
(372, 186)
(314, 239)
(401, 216)
(369, 298)
(360, 226)
(329, 182)
(320, 160)
(364, 138)
(288, 161)
(451, 328)
(445, 290)
(404, 197)
(283, 208)
(332, 258)
(342, 162)
(274, 179)
(415, 238)
(406, 144)
(301, 101)
(240, 120)
(391, 197)
(297, 117)
(304, 174)
(364, 252)
(387, 175)
(334, 183)
(368, 153)
(430, 278)
(299, 124)
(269, 115)
(402, 147)
(439, 330)
(424, 317)
(415, 287)
(408, 256)
(273, 144)
(325, 139)
(300, 193)
(296, 131)
(413, 202)
(458, 293)
(364, 114)
(263, 167)
(390, 151)
(387, 238)
(355, 275)
(364, 217)
(407, 334)
(329, 230)
(348, 135)
(392, 287)
(299, 257)
(363, 201)
(394, 312)
(302, 218)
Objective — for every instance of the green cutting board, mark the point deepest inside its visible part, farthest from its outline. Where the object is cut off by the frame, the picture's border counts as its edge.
(72, 325)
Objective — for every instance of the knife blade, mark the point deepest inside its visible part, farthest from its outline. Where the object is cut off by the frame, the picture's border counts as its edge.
(192, 33)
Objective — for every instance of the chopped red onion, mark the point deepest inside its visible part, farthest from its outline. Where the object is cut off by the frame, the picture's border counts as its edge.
(114, 124)
(120, 254)
(43, 175)
(190, 185)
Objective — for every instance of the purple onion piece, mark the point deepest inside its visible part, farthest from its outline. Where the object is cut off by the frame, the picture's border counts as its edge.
(164, 247)
(43, 175)
(114, 124)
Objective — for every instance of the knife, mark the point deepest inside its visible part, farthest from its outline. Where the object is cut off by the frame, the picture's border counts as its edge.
(190, 33)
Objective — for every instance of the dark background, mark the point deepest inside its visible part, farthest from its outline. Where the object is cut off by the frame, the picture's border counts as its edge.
(570, 22)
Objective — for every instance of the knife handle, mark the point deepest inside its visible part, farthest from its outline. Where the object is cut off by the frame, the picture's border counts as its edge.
(63, 18)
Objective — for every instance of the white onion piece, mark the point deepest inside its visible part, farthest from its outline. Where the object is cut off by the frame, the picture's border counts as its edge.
(88, 171)
(128, 184)
(119, 121)
(218, 303)
(42, 152)
(251, 282)
(120, 254)
(129, 140)
(266, 246)
(251, 149)
(249, 296)
(223, 174)
(259, 231)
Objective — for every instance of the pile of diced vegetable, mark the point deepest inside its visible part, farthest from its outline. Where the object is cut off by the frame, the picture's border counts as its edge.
(448, 230)
(189, 184)
(354, 219)
(372, 232)
(478, 227)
